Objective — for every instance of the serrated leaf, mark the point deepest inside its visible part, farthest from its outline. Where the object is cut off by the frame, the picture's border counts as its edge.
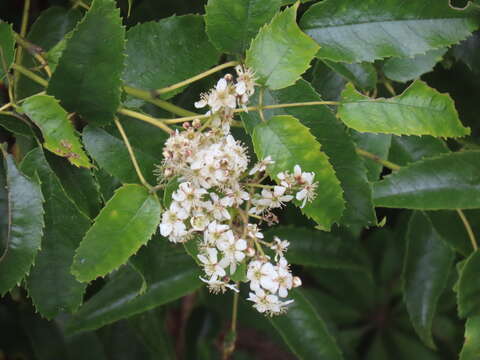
(107, 148)
(469, 287)
(334, 141)
(166, 52)
(289, 143)
(50, 284)
(363, 75)
(319, 249)
(419, 110)
(428, 261)
(49, 29)
(281, 52)
(25, 224)
(59, 135)
(471, 347)
(7, 45)
(328, 83)
(170, 274)
(127, 222)
(378, 144)
(15, 126)
(87, 77)
(449, 181)
(305, 332)
(232, 24)
(406, 69)
(355, 31)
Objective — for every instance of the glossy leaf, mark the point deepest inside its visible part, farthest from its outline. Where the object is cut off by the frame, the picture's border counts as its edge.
(305, 332)
(25, 226)
(408, 149)
(7, 45)
(467, 52)
(289, 143)
(449, 181)
(355, 31)
(87, 77)
(232, 24)
(106, 147)
(168, 51)
(170, 274)
(327, 82)
(335, 142)
(50, 284)
(419, 110)
(471, 347)
(79, 184)
(363, 75)
(428, 261)
(126, 222)
(378, 144)
(15, 126)
(469, 287)
(281, 52)
(48, 30)
(406, 69)
(319, 249)
(59, 135)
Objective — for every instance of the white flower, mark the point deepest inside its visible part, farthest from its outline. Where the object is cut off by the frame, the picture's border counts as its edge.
(284, 278)
(215, 285)
(172, 221)
(210, 263)
(188, 195)
(232, 249)
(261, 275)
(280, 246)
(245, 81)
(261, 165)
(219, 207)
(214, 233)
(269, 304)
(276, 198)
(222, 96)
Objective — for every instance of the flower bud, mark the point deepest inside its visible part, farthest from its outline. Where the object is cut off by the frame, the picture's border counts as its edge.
(296, 281)
(196, 123)
(250, 252)
(228, 77)
(186, 125)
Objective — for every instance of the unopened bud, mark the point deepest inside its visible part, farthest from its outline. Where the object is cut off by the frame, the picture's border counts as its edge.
(250, 252)
(168, 172)
(196, 123)
(186, 125)
(296, 281)
(228, 77)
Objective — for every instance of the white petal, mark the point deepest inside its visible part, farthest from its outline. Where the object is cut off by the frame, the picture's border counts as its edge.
(165, 229)
(221, 84)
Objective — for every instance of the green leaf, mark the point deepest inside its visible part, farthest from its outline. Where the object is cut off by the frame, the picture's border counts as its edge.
(335, 142)
(408, 149)
(281, 52)
(449, 181)
(355, 31)
(304, 331)
(79, 184)
(126, 222)
(469, 287)
(15, 126)
(327, 82)
(471, 347)
(87, 77)
(50, 284)
(467, 52)
(49, 28)
(362, 75)
(7, 45)
(405, 69)
(59, 135)
(106, 147)
(428, 261)
(25, 224)
(170, 274)
(419, 110)
(232, 24)
(289, 143)
(166, 52)
(319, 249)
(378, 144)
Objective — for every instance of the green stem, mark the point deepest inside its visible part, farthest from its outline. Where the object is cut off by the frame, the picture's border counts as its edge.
(151, 120)
(260, 104)
(31, 75)
(23, 33)
(149, 97)
(378, 159)
(35, 51)
(260, 186)
(235, 311)
(132, 154)
(468, 228)
(195, 78)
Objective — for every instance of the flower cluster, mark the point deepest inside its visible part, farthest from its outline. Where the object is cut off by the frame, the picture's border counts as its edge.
(219, 202)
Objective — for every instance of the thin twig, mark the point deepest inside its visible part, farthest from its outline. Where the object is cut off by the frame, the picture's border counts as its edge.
(23, 33)
(132, 154)
(149, 119)
(378, 159)
(470, 232)
(194, 78)
(31, 75)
